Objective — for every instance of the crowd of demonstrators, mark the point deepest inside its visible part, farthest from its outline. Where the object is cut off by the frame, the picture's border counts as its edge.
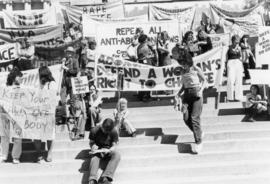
(144, 51)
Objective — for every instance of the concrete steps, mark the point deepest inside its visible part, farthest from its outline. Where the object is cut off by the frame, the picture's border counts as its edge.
(156, 172)
(234, 152)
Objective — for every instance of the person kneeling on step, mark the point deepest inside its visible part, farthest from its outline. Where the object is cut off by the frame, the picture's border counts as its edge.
(255, 104)
(103, 142)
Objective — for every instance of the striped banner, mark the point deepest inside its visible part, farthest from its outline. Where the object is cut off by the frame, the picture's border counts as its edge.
(32, 19)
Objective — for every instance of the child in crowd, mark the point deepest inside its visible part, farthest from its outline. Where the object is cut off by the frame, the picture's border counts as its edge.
(94, 110)
(255, 105)
(120, 115)
(78, 111)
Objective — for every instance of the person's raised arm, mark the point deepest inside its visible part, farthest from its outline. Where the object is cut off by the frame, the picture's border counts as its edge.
(202, 79)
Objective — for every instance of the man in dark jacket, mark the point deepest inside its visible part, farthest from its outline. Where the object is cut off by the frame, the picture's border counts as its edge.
(103, 141)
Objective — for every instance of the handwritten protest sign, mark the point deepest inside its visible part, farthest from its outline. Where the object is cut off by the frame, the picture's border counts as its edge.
(34, 35)
(138, 77)
(263, 46)
(113, 38)
(30, 19)
(30, 113)
(8, 52)
(80, 85)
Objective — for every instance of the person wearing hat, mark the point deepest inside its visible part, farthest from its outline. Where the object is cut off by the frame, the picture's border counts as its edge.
(247, 56)
(26, 53)
(14, 80)
(72, 65)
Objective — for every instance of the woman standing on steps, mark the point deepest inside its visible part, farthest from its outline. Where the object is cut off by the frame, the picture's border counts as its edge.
(46, 81)
(14, 80)
(193, 82)
(235, 71)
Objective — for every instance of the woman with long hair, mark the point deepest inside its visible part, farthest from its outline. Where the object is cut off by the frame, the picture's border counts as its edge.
(46, 81)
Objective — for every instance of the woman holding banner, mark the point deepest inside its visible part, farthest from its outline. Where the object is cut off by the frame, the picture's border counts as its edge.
(13, 80)
(46, 81)
(193, 81)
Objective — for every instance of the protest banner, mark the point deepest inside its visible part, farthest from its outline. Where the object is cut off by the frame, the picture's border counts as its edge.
(80, 85)
(28, 113)
(241, 22)
(263, 46)
(183, 15)
(29, 19)
(30, 78)
(33, 35)
(113, 38)
(138, 77)
(219, 40)
(212, 64)
(107, 11)
(8, 52)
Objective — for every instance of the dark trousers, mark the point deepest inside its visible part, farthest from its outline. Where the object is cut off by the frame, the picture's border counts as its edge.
(111, 161)
(246, 72)
(192, 116)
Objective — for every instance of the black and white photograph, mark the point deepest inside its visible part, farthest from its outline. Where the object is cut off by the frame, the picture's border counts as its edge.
(134, 91)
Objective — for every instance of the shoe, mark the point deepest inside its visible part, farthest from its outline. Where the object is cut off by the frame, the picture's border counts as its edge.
(48, 159)
(3, 160)
(197, 148)
(40, 159)
(15, 161)
(134, 134)
(104, 180)
(92, 182)
(250, 120)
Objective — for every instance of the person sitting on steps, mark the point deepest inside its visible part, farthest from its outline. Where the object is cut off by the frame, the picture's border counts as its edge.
(103, 143)
(121, 117)
(255, 104)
